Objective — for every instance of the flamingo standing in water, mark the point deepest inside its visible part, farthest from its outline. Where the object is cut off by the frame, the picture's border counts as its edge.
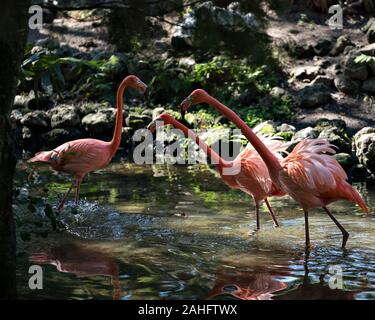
(252, 176)
(81, 156)
(309, 174)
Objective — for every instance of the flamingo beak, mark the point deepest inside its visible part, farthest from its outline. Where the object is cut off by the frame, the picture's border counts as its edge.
(142, 87)
(152, 126)
(185, 105)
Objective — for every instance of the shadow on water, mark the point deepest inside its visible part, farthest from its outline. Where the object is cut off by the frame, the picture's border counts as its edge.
(170, 232)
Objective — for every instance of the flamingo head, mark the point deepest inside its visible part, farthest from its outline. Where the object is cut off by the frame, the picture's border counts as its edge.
(196, 97)
(135, 83)
(160, 121)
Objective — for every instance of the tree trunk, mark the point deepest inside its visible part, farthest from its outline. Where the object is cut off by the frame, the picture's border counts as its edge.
(13, 32)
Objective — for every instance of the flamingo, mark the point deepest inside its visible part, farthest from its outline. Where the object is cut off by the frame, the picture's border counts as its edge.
(309, 174)
(253, 177)
(81, 156)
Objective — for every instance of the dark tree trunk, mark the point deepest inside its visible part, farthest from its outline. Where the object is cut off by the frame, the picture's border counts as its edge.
(13, 32)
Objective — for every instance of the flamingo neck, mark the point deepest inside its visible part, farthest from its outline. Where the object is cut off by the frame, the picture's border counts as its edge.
(268, 157)
(116, 139)
(192, 135)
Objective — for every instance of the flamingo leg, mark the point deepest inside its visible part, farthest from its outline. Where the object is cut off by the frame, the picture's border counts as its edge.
(307, 233)
(345, 234)
(78, 186)
(276, 224)
(61, 205)
(257, 215)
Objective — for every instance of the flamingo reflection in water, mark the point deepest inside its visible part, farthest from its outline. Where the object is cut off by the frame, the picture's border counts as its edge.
(271, 282)
(81, 261)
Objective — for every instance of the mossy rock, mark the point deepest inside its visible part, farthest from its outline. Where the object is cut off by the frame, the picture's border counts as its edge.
(286, 135)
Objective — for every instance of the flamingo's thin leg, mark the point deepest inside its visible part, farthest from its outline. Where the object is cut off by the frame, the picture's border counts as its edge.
(78, 182)
(345, 234)
(276, 224)
(257, 215)
(307, 233)
(61, 205)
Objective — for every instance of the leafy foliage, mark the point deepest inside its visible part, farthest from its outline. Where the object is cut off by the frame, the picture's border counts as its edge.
(47, 72)
(363, 58)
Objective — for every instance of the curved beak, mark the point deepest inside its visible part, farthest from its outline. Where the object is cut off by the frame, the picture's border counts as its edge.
(142, 87)
(184, 106)
(152, 126)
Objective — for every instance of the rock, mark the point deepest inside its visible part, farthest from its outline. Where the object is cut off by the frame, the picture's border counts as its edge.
(43, 102)
(306, 72)
(56, 137)
(370, 31)
(157, 112)
(278, 92)
(16, 116)
(21, 101)
(356, 71)
(267, 128)
(364, 145)
(29, 140)
(346, 85)
(212, 27)
(337, 137)
(326, 123)
(64, 117)
(341, 43)
(324, 80)
(183, 36)
(92, 107)
(100, 122)
(306, 133)
(187, 62)
(286, 128)
(371, 66)
(299, 50)
(313, 96)
(38, 120)
(137, 121)
(368, 50)
(126, 136)
(344, 159)
(369, 85)
(323, 47)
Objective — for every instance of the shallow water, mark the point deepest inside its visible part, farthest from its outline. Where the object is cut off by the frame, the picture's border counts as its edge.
(177, 232)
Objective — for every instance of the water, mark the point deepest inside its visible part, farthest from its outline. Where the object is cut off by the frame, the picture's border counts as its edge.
(177, 232)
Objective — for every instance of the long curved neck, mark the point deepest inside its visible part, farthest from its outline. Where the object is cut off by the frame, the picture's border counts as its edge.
(192, 135)
(116, 139)
(268, 157)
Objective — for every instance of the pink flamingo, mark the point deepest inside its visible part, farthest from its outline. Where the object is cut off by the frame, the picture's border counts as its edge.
(309, 174)
(253, 177)
(81, 156)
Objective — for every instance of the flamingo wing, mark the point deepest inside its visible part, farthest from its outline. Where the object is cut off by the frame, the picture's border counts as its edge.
(316, 174)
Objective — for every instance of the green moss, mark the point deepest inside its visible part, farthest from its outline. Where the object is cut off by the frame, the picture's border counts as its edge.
(286, 135)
